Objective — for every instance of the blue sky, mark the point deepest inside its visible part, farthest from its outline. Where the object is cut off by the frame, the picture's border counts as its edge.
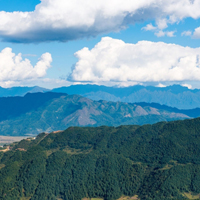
(38, 43)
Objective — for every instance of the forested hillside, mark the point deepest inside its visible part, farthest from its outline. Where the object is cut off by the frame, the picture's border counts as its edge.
(154, 162)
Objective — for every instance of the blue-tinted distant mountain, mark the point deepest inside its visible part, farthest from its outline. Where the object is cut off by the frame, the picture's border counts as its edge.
(193, 113)
(173, 96)
(46, 112)
(20, 91)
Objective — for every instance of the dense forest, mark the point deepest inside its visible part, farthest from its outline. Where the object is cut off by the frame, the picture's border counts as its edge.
(159, 161)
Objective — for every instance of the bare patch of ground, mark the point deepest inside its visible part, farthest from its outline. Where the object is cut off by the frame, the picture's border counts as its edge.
(121, 198)
(2, 166)
(21, 149)
(129, 198)
(190, 195)
(5, 149)
(57, 131)
(77, 151)
(25, 198)
(92, 199)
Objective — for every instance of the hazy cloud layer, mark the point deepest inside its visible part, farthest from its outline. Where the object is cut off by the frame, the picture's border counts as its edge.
(15, 69)
(116, 61)
(63, 20)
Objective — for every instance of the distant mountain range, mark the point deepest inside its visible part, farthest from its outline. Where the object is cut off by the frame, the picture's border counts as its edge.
(173, 96)
(46, 112)
(20, 91)
(150, 162)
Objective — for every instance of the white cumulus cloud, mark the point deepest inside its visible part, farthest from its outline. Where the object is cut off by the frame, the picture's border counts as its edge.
(15, 69)
(161, 33)
(149, 27)
(186, 33)
(158, 30)
(196, 33)
(187, 85)
(64, 20)
(170, 33)
(116, 61)
(162, 23)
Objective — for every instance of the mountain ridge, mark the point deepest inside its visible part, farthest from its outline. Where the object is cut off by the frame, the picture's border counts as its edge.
(46, 112)
(173, 96)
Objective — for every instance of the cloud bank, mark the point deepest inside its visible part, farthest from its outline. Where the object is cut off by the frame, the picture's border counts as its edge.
(14, 69)
(64, 20)
(112, 60)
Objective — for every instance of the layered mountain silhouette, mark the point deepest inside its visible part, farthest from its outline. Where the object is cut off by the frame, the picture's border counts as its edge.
(173, 96)
(46, 112)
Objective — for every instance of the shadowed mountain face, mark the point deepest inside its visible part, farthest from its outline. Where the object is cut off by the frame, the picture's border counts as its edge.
(38, 112)
(151, 162)
(173, 96)
(11, 107)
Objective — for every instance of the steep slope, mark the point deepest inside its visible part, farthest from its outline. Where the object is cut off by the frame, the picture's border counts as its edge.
(154, 162)
(35, 113)
(173, 96)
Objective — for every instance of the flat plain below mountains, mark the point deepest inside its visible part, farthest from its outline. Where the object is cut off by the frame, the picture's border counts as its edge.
(46, 112)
